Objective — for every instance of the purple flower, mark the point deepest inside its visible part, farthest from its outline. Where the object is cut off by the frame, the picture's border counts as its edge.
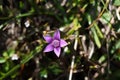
(55, 43)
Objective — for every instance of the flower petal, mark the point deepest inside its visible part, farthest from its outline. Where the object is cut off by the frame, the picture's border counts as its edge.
(57, 51)
(57, 35)
(48, 38)
(49, 48)
(63, 43)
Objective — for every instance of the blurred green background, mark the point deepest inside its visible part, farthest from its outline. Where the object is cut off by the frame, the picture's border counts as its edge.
(91, 28)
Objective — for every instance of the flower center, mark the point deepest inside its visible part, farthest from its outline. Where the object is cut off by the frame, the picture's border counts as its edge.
(56, 43)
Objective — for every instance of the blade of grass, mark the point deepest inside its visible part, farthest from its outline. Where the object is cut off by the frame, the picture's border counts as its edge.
(98, 30)
(96, 38)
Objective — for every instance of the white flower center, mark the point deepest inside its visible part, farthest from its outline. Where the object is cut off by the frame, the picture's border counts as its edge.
(56, 43)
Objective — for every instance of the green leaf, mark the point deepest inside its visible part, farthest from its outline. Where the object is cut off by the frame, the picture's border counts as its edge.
(1, 73)
(44, 73)
(96, 38)
(11, 52)
(102, 59)
(55, 68)
(56, 71)
(115, 47)
(116, 2)
(106, 17)
(98, 30)
(21, 5)
(89, 18)
(2, 60)
(117, 57)
(5, 54)
(76, 26)
(7, 66)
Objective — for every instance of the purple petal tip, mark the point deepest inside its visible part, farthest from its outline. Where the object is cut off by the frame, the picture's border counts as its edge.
(47, 38)
(57, 34)
(49, 48)
(57, 51)
(63, 43)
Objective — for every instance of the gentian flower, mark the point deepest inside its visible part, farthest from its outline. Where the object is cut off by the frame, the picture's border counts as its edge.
(55, 43)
